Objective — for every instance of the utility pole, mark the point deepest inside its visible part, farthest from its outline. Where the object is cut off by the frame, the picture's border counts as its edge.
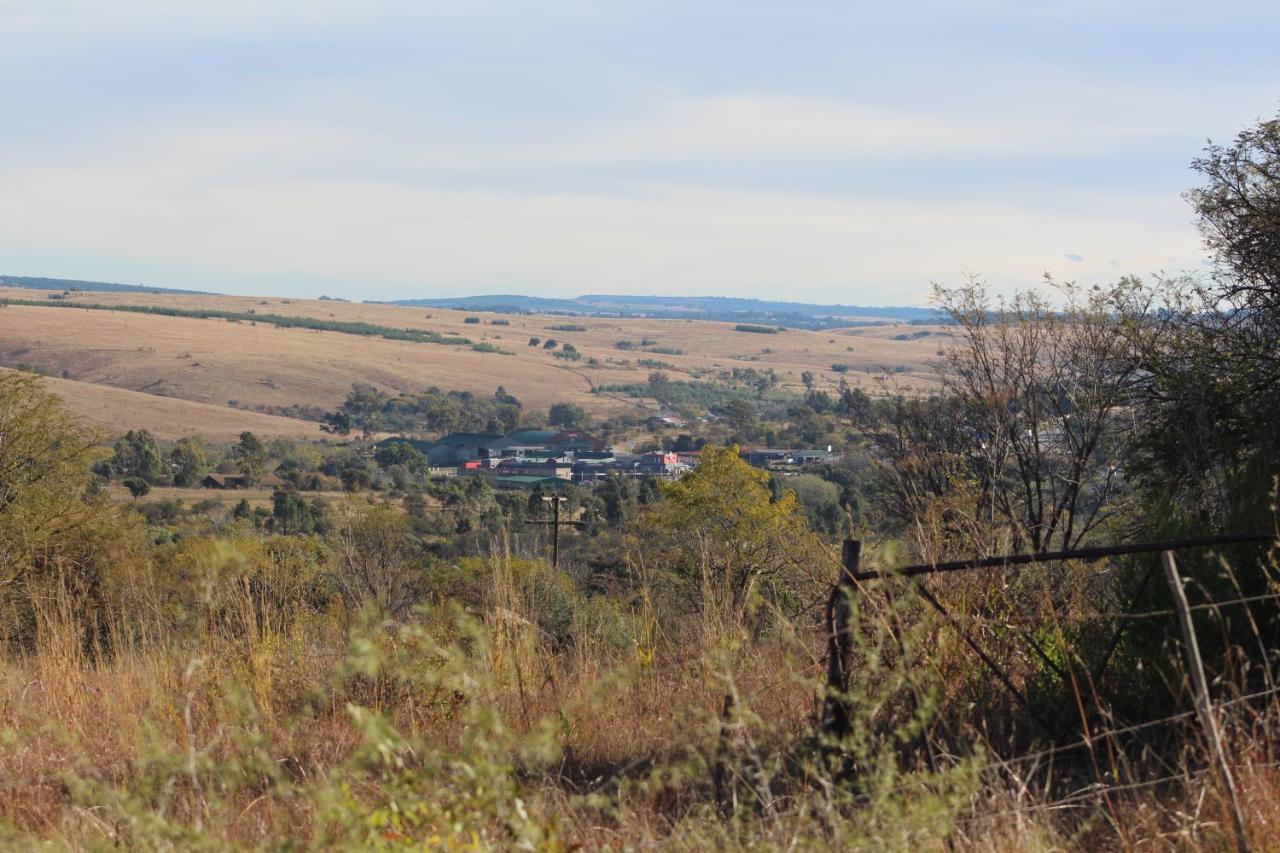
(555, 524)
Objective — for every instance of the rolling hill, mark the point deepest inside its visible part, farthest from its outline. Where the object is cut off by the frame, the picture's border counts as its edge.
(238, 356)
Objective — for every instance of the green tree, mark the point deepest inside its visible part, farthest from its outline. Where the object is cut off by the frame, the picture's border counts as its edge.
(568, 415)
(251, 455)
(1207, 425)
(723, 544)
(619, 497)
(137, 486)
(138, 454)
(55, 530)
(188, 461)
(364, 405)
(401, 453)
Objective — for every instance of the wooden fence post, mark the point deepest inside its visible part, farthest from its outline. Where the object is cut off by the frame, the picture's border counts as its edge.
(836, 714)
(1204, 706)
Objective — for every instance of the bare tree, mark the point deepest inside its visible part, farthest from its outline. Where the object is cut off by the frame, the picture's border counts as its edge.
(1046, 386)
(374, 560)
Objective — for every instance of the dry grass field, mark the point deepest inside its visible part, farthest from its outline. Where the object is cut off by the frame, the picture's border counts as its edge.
(232, 366)
(226, 498)
(117, 409)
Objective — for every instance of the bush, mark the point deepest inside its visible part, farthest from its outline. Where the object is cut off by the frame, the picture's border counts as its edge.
(137, 486)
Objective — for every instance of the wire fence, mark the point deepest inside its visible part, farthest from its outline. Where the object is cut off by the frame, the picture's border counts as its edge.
(1119, 740)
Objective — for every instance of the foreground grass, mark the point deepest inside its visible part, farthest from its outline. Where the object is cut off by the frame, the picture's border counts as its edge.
(456, 731)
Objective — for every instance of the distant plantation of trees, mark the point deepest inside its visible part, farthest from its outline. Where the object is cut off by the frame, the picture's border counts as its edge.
(346, 327)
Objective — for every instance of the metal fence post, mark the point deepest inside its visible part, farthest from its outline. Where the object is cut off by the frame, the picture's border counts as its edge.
(1204, 706)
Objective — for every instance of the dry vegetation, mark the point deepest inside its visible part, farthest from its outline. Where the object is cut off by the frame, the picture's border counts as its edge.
(215, 361)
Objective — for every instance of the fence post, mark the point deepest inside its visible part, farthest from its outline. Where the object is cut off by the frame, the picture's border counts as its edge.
(1204, 706)
(836, 715)
(726, 794)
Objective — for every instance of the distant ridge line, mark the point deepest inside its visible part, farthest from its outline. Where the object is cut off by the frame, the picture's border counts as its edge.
(39, 283)
(725, 308)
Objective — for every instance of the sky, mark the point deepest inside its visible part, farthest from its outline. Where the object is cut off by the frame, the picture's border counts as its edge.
(829, 152)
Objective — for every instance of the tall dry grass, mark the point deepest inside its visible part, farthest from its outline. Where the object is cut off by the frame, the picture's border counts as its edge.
(268, 724)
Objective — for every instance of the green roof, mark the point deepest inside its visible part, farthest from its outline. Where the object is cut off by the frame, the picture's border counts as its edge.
(527, 481)
(532, 436)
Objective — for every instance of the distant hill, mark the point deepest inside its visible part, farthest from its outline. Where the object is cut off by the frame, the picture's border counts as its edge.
(801, 315)
(36, 283)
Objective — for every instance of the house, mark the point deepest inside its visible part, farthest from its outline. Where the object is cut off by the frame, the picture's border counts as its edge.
(222, 481)
(762, 457)
(459, 447)
(770, 458)
(239, 481)
(534, 467)
(665, 420)
(660, 463)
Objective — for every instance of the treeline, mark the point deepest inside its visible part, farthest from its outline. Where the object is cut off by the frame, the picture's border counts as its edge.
(432, 411)
(346, 327)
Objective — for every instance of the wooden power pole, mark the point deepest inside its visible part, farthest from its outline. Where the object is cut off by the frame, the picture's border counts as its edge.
(555, 524)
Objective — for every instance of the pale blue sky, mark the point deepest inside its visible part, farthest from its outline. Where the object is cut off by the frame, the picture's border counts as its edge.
(834, 152)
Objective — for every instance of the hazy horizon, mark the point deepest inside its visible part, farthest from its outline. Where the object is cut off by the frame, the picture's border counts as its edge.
(825, 153)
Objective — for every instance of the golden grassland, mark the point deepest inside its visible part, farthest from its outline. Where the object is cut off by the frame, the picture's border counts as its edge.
(215, 362)
(118, 409)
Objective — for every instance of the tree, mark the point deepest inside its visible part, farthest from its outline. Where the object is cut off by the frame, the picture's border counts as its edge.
(1209, 410)
(138, 454)
(1239, 217)
(401, 453)
(374, 561)
(568, 415)
(723, 544)
(292, 514)
(54, 528)
(251, 455)
(741, 415)
(338, 423)
(137, 486)
(619, 497)
(1044, 386)
(365, 404)
(188, 461)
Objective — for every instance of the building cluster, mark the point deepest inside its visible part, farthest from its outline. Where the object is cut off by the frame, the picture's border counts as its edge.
(527, 458)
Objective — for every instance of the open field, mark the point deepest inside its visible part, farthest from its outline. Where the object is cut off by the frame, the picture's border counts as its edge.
(117, 409)
(227, 498)
(237, 365)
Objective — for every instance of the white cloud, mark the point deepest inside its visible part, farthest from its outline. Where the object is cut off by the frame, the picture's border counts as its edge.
(857, 249)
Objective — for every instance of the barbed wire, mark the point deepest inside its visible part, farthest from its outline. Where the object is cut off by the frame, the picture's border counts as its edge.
(1111, 615)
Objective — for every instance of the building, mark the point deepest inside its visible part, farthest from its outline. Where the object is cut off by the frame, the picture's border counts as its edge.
(779, 459)
(222, 481)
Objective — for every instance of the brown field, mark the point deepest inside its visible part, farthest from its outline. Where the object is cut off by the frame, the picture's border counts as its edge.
(214, 362)
(228, 498)
(117, 409)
